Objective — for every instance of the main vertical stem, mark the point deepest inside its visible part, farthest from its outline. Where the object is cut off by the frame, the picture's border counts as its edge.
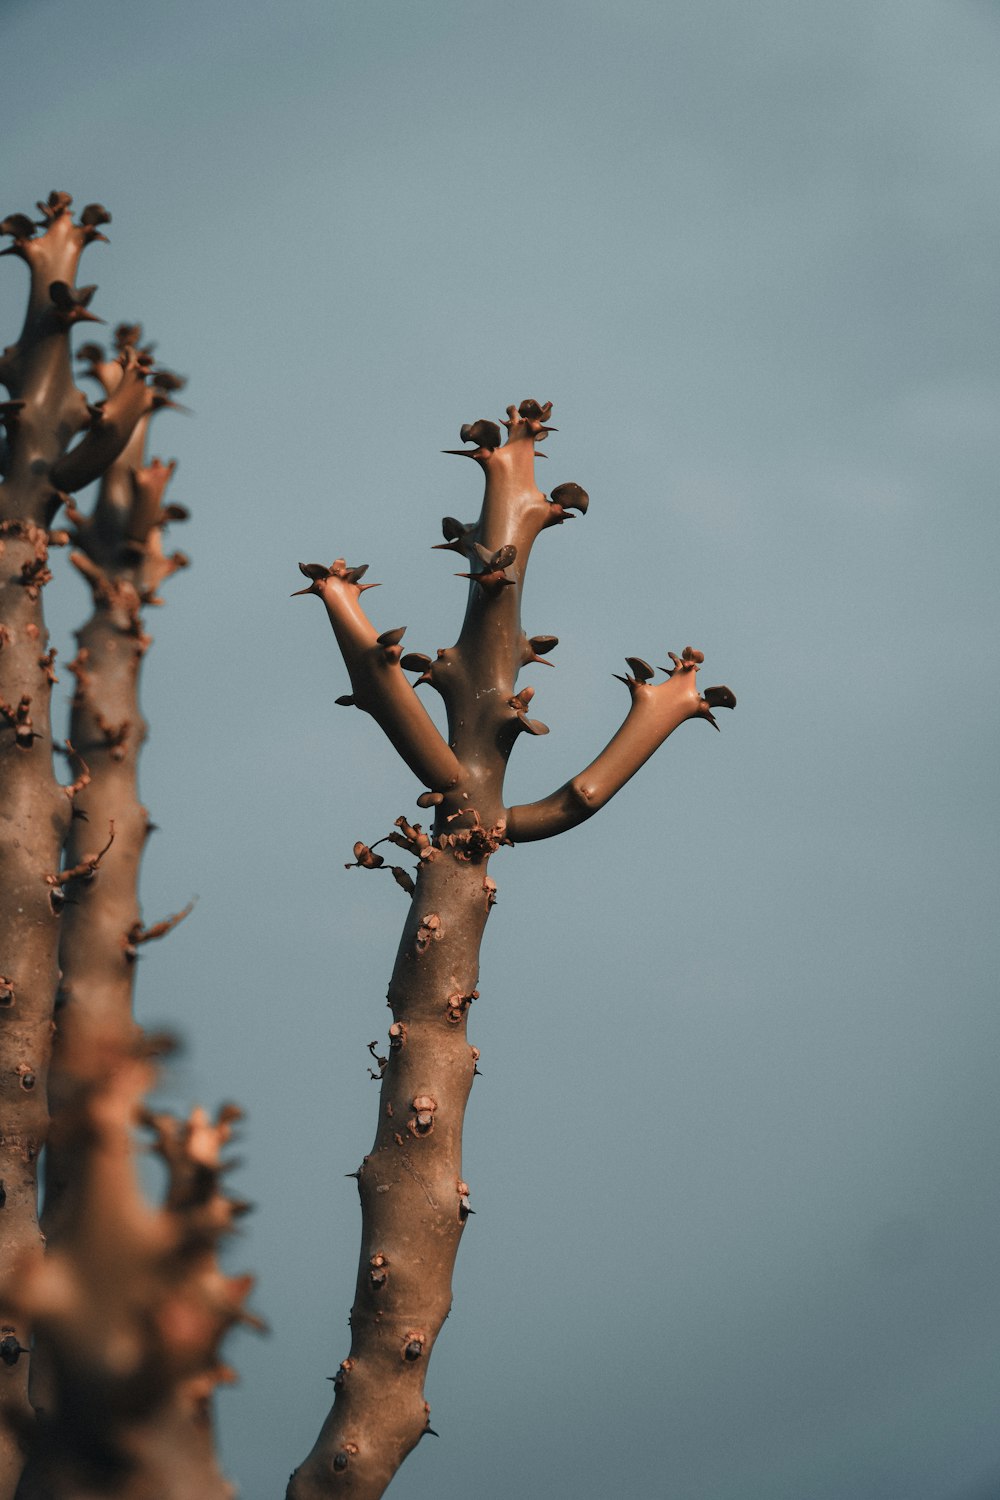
(413, 1199)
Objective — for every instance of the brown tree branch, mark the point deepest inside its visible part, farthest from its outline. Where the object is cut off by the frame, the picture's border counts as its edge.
(130, 1308)
(655, 713)
(120, 554)
(111, 425)
(377, 681)
(44, 415)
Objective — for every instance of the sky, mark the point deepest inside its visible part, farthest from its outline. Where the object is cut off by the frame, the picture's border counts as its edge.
(734, 1156)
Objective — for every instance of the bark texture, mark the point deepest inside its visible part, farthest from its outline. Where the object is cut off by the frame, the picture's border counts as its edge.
(414, 1199)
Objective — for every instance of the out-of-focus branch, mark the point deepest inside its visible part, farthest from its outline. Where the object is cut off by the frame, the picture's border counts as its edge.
(131, 1308)
(111, 425)
(44, 414)
(119, 552)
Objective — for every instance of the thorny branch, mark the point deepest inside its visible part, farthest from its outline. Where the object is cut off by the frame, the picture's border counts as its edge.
(414, 1198)
(45, 416)
(129, 1305)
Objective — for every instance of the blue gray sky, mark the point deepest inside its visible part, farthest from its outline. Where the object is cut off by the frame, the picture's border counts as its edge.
(734, 1154)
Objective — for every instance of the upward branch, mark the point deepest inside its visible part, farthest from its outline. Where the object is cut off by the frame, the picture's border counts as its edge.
(377, 680)
(656, 711)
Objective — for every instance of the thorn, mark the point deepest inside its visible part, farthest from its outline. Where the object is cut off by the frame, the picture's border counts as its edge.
(501, 558)
(86, 869)
(689, 659)
(483, 433)
(19, 226)
(493, 575)
(543, 644)
(415, 661)
(139, 934)
(641, 670)
(316, 573)
(94, 214)
(570, 497)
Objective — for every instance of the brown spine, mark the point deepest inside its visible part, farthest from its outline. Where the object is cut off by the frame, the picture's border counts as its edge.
(413, 1196)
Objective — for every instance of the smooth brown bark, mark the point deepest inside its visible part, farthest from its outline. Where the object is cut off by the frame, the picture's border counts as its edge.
(413, 1196)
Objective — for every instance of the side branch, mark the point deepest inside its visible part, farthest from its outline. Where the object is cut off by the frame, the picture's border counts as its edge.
(112, 424)
(656, 711)
(379, 686)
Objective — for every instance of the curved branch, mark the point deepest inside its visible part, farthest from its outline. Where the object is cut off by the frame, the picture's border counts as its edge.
(656, 711)
(113, 424)
(377, 680)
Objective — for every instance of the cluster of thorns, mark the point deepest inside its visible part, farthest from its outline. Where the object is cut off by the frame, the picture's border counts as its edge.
(474, 842)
